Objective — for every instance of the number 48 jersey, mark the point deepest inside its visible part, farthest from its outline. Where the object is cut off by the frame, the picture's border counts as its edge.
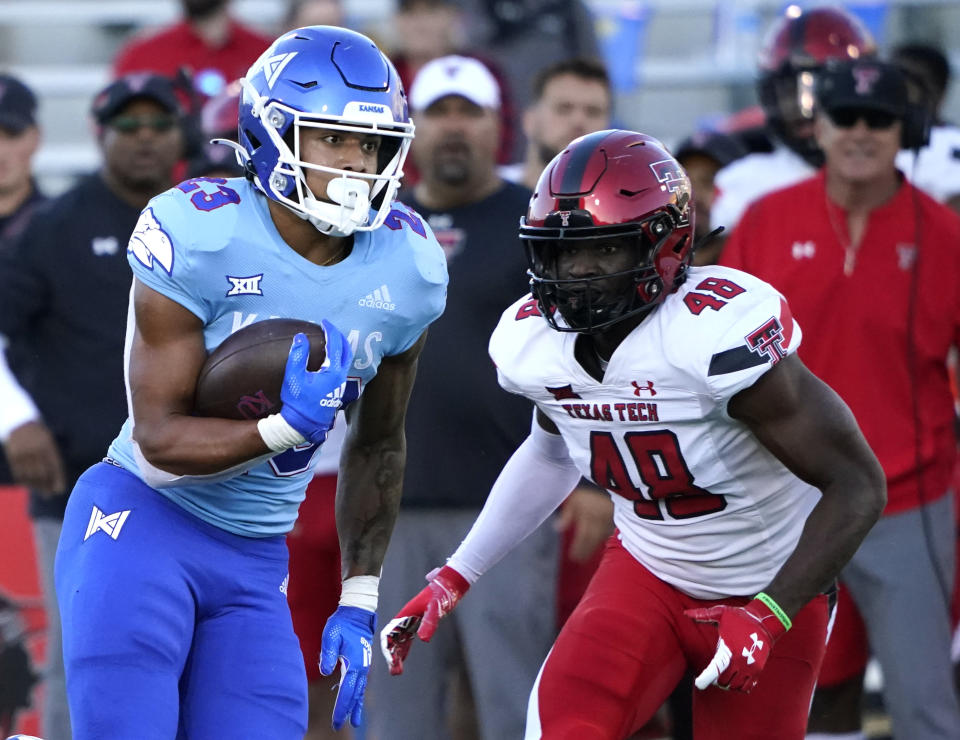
(698, 499)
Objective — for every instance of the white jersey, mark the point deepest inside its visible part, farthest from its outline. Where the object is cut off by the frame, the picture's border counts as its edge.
(749, 178)
(698, 500)
(936, 170)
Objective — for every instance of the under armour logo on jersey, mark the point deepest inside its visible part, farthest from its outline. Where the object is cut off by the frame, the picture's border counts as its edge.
(150, 244)
(244, 285)
(109, 523)
(273, 66)
(801, 250)
(638, 389)
(906, 255)
(104, 245)
(380, 298)
(757, 645)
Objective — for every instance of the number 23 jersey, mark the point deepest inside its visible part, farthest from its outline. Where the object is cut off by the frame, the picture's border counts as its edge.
(698, 500)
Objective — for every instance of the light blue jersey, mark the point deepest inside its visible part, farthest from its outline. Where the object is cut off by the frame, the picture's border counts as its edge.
(211, 246)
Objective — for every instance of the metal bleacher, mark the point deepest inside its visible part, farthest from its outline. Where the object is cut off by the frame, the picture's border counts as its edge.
(687, 61)
(63, 49)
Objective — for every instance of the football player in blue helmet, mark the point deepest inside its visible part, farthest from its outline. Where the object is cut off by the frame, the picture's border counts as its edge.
(353, 89)
(179, 625)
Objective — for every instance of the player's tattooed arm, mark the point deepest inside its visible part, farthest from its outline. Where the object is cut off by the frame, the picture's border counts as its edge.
(371, 467)
(802, 421)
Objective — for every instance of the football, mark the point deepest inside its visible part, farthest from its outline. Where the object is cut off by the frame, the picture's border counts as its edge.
(241, 378)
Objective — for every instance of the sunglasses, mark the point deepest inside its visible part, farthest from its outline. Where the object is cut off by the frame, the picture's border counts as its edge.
(132, 124)
(876, 120)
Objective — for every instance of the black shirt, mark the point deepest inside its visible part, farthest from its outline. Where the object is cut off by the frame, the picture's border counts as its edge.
(64, 287)
(11, 226)
(461, 426)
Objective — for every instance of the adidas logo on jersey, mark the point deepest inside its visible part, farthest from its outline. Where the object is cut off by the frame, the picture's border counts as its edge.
(109, 523)
(380, 298)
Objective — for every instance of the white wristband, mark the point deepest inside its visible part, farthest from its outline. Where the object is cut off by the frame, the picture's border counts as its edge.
(360, 591)
(278, 434)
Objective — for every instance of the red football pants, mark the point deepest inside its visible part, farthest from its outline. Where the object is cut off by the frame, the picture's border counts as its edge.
(313, 592)
(627, 645)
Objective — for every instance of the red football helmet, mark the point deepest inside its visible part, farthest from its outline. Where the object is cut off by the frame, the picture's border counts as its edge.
(608, 185)
(794, 49)
(219, 120)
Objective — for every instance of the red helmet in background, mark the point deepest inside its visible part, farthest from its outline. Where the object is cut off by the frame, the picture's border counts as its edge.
(609, 185)
(220, 114)
(219, 119)
(794, 49)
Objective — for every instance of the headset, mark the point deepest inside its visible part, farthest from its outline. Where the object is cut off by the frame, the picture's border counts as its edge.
(918, 118)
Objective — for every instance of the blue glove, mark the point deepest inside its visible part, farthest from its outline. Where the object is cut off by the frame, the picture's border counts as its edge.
(311, 399)
(348, 639)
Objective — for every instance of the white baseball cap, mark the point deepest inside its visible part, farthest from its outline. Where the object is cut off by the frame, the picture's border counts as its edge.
(454, 75)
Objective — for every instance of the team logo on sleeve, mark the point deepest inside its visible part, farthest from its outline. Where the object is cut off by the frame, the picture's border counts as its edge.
(150, 244)
(111, 524)
(767, 340)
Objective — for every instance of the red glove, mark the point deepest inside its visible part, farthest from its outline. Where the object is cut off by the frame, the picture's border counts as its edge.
(421, 615)
(747, 634)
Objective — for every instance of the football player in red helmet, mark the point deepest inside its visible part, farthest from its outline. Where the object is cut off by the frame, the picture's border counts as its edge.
(795, 47)
(218, 122)
(588, 199)
(678, 390)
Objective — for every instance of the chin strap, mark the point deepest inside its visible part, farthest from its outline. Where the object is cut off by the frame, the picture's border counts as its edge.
(241, 153)
(707, 238)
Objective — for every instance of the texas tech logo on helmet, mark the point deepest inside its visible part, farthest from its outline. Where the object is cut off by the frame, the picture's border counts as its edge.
(668, 173)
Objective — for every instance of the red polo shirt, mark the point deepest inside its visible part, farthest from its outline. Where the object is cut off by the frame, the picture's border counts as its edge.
(857, 336)
(180, 46)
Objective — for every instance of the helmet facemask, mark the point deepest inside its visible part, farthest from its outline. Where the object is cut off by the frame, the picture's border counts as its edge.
(787, 98)
(595, 302)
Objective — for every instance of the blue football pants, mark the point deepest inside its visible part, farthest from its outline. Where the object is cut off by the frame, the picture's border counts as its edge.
(172, 627)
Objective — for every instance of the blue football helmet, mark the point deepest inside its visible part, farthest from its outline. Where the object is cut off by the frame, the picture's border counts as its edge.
(324, 77)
